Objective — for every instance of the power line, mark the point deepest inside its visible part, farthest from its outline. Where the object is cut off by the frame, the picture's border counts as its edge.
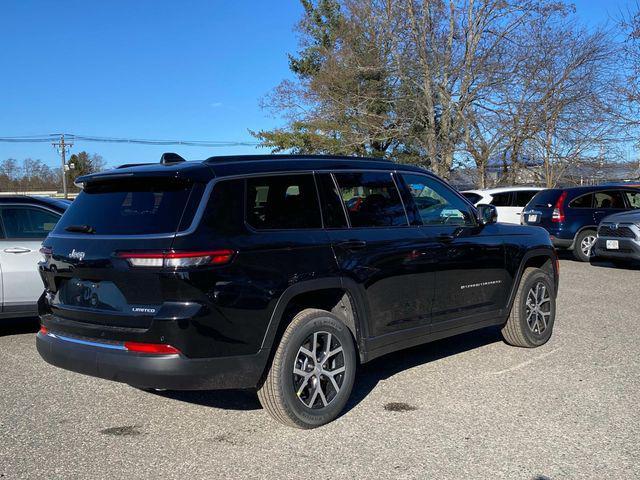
(90, 138)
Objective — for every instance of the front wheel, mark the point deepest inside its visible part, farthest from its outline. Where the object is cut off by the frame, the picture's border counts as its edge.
(312, 372)
(533, 313)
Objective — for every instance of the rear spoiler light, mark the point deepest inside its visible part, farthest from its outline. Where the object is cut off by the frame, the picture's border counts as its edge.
(154, 259)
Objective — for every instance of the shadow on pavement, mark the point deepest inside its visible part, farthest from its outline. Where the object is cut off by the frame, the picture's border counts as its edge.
(18, 326)
(224, 399)
(367, 377)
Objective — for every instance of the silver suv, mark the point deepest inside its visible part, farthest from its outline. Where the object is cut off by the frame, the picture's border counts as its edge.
(619, 237)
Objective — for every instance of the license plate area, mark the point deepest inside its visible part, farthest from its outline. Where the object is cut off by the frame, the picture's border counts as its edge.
(96, 295)
(613, 245)
(533, 218)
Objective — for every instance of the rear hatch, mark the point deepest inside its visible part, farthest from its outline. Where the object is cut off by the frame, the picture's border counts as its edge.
(87, 273)
(540, 210)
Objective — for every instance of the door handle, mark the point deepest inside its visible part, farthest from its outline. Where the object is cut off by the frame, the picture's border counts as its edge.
(17, 250)
(352, 244)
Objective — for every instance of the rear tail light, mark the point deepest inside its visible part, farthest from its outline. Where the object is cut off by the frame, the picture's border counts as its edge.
(151, 348)
(43, 330)
(46, 253)
(558, 210)
(177, 259)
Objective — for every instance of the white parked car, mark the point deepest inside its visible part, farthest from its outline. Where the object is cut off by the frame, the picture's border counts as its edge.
(509, 201)
(24, 224)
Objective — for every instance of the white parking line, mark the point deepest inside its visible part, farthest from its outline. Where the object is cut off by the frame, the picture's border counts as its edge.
(524, 364)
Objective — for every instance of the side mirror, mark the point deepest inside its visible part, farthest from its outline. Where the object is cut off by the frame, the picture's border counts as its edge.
(487, 214)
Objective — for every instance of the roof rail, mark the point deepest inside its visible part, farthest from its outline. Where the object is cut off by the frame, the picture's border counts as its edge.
(127, 165)
(170, 157)
(248, 158)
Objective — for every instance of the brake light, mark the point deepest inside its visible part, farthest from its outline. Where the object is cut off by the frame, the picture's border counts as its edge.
(177, 259)
(43, 330)
(151, 348)
(558, 210)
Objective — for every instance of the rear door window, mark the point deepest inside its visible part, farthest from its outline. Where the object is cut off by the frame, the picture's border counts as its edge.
(333, 211)
(27, 222)
(281, 202)
(633, 197)
(133, 207)
(371, 199)
(611, 199)
(583, 201)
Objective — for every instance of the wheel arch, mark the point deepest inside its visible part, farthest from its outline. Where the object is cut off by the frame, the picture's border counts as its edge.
(580, 230)
(543, 258)
(334, 294)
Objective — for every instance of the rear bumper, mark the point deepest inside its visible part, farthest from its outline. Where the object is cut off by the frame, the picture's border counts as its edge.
(628, 249)
(171, 372)
(561, 242)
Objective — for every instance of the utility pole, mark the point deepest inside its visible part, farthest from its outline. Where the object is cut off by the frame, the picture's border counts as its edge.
(62, 147)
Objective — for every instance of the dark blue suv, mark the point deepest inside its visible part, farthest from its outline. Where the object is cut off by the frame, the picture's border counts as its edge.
(572, 215)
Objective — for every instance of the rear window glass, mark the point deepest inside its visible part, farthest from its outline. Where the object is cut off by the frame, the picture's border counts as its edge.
(523, 197)
(282, 202)
(472, 197)
(130, 207)
(545, 198)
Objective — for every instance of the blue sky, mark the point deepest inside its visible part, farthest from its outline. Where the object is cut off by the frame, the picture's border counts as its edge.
(150, 69)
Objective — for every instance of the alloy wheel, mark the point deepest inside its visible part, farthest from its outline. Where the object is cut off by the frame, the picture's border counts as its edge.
(538, 308)
(319, 370)
(587, 244)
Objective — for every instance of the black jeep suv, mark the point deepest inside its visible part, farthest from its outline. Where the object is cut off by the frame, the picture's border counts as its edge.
(279, 273)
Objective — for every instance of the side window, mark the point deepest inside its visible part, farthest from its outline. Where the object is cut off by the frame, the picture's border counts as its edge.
(633, 197)
(282, 202)
(501, 199)
(472, 197)
(28, 222)
(225, 209)
(611, 199)
(522, 197)
(330, 202)
(583, 201)
(371, 199)
(437, 204)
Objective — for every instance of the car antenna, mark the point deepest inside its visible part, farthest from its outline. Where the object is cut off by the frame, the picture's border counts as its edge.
(170, 157)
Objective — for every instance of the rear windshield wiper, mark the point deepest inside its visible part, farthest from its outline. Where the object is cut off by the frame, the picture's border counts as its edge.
(80, 229)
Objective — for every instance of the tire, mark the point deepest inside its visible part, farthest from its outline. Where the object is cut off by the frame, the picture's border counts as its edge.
(523, 330)
(292, 398)
(588, 236)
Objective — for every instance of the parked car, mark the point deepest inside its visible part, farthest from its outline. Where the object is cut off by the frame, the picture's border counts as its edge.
(572, 215)
(24, 222)
(619, 236)
(264, 272)
(509, 201)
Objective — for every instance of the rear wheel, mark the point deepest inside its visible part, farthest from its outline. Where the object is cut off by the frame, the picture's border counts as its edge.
(533, 314)
(312, 372)
(583, 245)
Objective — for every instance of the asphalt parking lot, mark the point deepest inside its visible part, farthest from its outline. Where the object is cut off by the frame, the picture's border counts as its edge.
(467, 407)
